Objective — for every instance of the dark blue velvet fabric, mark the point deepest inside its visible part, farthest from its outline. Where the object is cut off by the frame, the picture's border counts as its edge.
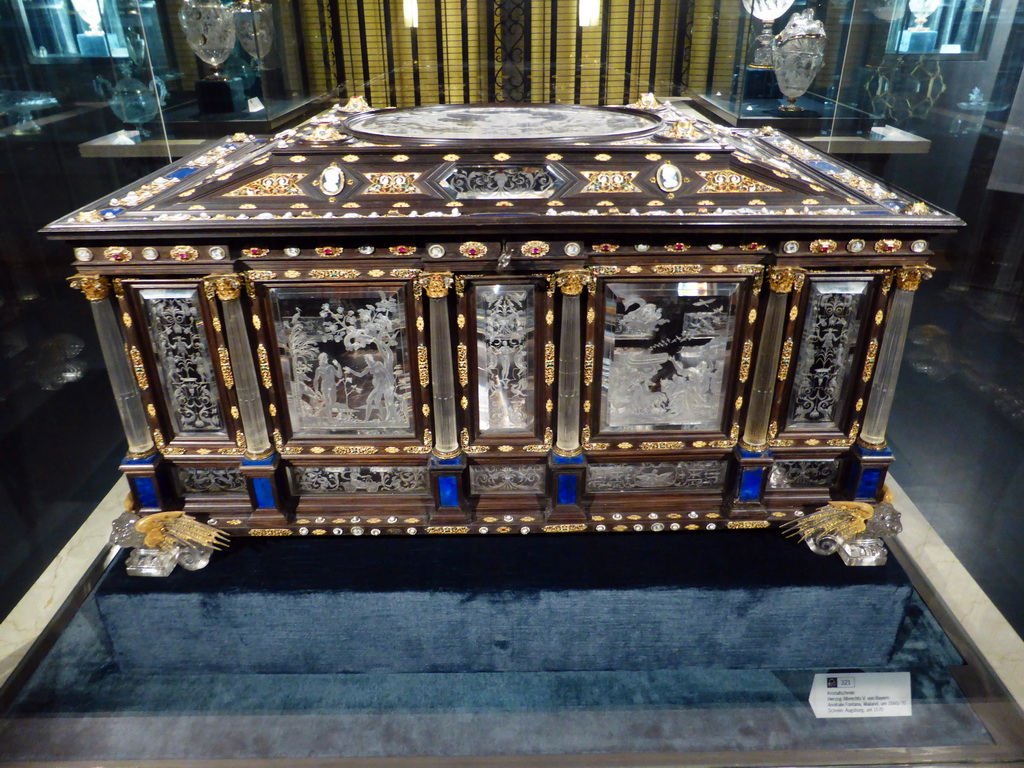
(508, 604)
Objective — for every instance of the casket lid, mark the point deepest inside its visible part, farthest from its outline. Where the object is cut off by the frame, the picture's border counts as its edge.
(532, 168)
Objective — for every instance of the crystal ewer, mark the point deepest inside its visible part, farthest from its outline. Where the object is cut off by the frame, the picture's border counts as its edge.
(797, 54)
(922, 9)
(254, 25)
(210, 31)
(765, 11)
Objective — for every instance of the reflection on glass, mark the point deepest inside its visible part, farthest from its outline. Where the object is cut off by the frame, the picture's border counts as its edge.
(666, 351)
(183, 359)
(344, 360)
(822, 381)
(505, 359)
(797, 54)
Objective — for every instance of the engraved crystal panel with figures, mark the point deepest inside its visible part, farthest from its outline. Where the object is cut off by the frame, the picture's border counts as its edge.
(505, 359)
(822, 380)
(183, 359)
(345, 360)
(666, 354)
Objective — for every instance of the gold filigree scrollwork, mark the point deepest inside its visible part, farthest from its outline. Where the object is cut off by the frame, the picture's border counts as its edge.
(436, 284)
(448, 529)
(462, 358)
(354, 450)
(588, 364)
(271, 185)
(534, 248)
(717, 182)
(549, 363)
(93, 287)
(473, 249)
(264, 363)
(604, 270)
(785, 279)
(676, 269)
(398, 183)
(909, 278)
(565, 528)
(225, 367)
(609, 182)
(138, 368)
(333, 274)
(787, 356)
(754, 270)
(423, 363)
(748, 351)
(662, 445)
(747, 524)
(890, 245)
(573, 281)
(126, 320)
(869, 362)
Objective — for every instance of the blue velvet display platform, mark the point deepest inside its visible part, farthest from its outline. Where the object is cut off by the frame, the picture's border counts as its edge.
(133, 677)
(507, 604)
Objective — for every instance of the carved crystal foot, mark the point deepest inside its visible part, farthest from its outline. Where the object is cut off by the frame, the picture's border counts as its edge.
(853, 529)
(165, 539)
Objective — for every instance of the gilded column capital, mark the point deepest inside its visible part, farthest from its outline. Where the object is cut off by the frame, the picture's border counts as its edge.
(909, 278)
(436, 284)
(786, 279)
(228, 287)
(95, 287)
(573, 281)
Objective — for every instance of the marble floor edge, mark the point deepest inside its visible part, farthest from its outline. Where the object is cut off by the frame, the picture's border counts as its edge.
(40, 605)
(993, 636)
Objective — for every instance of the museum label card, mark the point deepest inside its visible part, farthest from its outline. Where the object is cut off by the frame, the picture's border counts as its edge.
(861, 694)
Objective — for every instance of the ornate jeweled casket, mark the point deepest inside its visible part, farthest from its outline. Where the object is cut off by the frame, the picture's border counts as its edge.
(503, 320)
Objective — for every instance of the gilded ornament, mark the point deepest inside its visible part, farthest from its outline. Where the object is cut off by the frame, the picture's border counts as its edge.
(269, 532)
(501, 157)
(888, 246)
(183, 253)
(549, 405)
(423, 363)
(448, 529)
(573, 281)
(464, 402)
(117, 254)
(624, 446)
(228, 288)
(402, 250)
(725, 181)
(93, 287)
(158, 439)
(752, 315)
(549, 317)
(292, 273)
(460, 321)
(553, 157)
(549, 363)
(272, 409)
(604, 248)
(354, 450)
(879, 315)
(859, 406)
(473, 249)
(676, 269)
(702, 156)
(240, 439)
(809, 201)
(255, 253)
(565, 528)
(225, 367)
(588, 364)
(400, 158)
(610, 182)
(436, 284)
(823, 246)
(333, 274)
(869, 362)
(909, 278)
(793, 312)
(404, 273)
(662, 445)
(887, 282)
(329, 250)
(271, 185)
(677, 247)
(139, 368)
(748, 351)
(534, 248)
(812, 441)
(506, 448)
(463, 364)
(264, 363)
(787, 355)
(602, 158)
(403, 183)
(747, 524)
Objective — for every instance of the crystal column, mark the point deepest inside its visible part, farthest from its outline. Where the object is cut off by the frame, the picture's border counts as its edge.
(247, 387)
(766, 369)
(887, 369)
(126, 389)
(442, 370)
(567, 426)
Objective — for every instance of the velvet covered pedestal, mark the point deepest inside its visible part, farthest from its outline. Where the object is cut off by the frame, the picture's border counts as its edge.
(507, 604)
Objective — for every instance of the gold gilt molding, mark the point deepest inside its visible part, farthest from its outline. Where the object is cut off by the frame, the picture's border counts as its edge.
(225, 367)
(93, 287)
(423, 363)
(264, 363)
(869, 362)
(549, 363)
(139, 368)
(463, 363)
(435, 284)
(588, 364)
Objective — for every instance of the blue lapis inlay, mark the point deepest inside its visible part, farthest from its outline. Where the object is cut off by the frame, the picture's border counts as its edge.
(448, 491)
(750, 484)
(867, 488)
(264, 492)
(567, 489)
(145, 489)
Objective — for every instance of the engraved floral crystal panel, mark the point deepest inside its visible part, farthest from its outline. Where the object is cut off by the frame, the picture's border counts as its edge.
(384, 479)
(666, 354)
(183, 362)
(502, 182)
(654, 475)
(803, 473)
(345, 360)
(507, 478)
(211, 479)
(506, 363)
(821, 379)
